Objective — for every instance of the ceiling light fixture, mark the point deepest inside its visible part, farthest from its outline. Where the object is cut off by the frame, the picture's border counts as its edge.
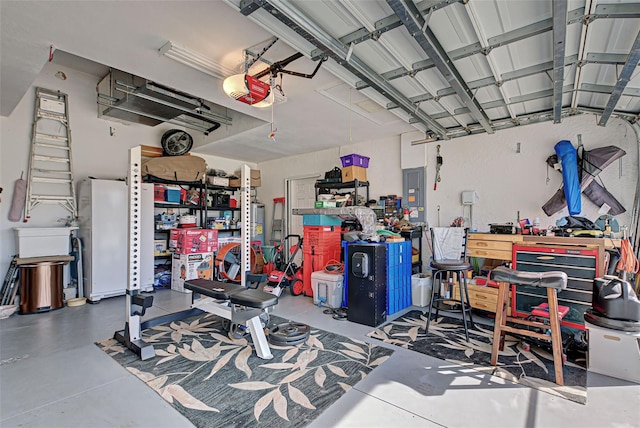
(247, 89)
(194, 60)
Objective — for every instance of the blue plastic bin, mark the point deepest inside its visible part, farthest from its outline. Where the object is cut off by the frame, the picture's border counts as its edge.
(320, 220)
(172, 195)
(398, 275)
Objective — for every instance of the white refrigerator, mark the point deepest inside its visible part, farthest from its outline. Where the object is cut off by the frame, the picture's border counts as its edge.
(103, 209)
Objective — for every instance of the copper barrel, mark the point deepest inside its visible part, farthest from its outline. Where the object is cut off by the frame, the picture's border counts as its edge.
(41, 287)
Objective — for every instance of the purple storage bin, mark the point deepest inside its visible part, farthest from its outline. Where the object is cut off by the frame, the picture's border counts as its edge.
(354, 160)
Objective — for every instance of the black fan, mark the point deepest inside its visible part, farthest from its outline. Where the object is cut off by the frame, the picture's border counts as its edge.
(176, 142)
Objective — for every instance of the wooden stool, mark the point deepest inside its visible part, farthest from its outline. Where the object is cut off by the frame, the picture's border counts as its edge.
(553, 281)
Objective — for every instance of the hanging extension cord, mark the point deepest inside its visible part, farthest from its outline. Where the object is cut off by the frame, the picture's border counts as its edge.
(334, 267)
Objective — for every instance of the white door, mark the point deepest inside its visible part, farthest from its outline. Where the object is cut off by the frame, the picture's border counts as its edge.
(302, 194)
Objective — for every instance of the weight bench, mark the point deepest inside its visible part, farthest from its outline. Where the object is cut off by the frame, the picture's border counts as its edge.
(237, 304)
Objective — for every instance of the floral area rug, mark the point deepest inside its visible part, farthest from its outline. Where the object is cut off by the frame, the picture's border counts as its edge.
(216, 381)
(531, 366)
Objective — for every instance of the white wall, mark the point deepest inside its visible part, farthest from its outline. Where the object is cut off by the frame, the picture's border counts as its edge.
(95, 152)
(506, 181)
(384, 173)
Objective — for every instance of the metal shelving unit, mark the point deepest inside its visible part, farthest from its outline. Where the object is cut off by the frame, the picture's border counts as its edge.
(219, 209)
(199, 185)
(355, 184)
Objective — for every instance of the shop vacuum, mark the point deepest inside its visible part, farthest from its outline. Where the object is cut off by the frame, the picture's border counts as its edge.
(614, 305)
(613, 325)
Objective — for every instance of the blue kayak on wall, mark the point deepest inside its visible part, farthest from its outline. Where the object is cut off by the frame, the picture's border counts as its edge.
(568, 156)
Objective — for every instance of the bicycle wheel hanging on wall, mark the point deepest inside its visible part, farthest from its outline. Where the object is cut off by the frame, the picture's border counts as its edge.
(176, 142)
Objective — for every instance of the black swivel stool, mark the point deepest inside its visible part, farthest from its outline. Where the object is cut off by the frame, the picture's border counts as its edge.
(456, 267)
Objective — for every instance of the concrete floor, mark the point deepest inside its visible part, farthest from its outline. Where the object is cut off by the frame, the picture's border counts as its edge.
(52, 375)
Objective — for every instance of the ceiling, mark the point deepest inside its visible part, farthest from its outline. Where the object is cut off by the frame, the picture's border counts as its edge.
(448, 68)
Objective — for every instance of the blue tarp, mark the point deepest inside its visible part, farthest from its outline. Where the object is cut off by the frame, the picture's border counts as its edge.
(568, 156)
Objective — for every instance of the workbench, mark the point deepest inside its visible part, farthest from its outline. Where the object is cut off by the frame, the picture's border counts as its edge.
(499, 246)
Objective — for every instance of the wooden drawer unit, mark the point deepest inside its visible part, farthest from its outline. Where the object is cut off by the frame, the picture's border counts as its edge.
(480, 297)
(581, 264)
(491, 246)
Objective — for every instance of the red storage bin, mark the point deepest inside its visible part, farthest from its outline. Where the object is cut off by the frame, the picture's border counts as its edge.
(321, 236)
(321, 244)
(158, 192)
(314, 262)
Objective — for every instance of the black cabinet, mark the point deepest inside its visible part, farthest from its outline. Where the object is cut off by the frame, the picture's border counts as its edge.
(367, 291)
(355, 184)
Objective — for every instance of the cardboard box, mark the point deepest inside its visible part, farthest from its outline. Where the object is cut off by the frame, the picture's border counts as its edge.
(219, 181)
(256, 181)
(159, 246)
(325, 204)
(351, 173)
(489, 265)
(190, 266)
(228, 240)
(193, 240)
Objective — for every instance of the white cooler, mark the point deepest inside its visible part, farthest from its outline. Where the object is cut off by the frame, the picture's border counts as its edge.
(327, 289)
(614, 353)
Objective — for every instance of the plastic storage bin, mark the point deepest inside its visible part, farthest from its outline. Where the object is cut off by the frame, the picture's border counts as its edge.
(158, 192)
(420, 289)
(355, 160)
(43, 241)
(327, 289)
(321, 245)
(172, 196)
(321, 220)
(398, 276)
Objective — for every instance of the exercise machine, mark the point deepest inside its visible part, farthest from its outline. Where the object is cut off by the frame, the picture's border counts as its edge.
(234, 302)
(242, 306)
